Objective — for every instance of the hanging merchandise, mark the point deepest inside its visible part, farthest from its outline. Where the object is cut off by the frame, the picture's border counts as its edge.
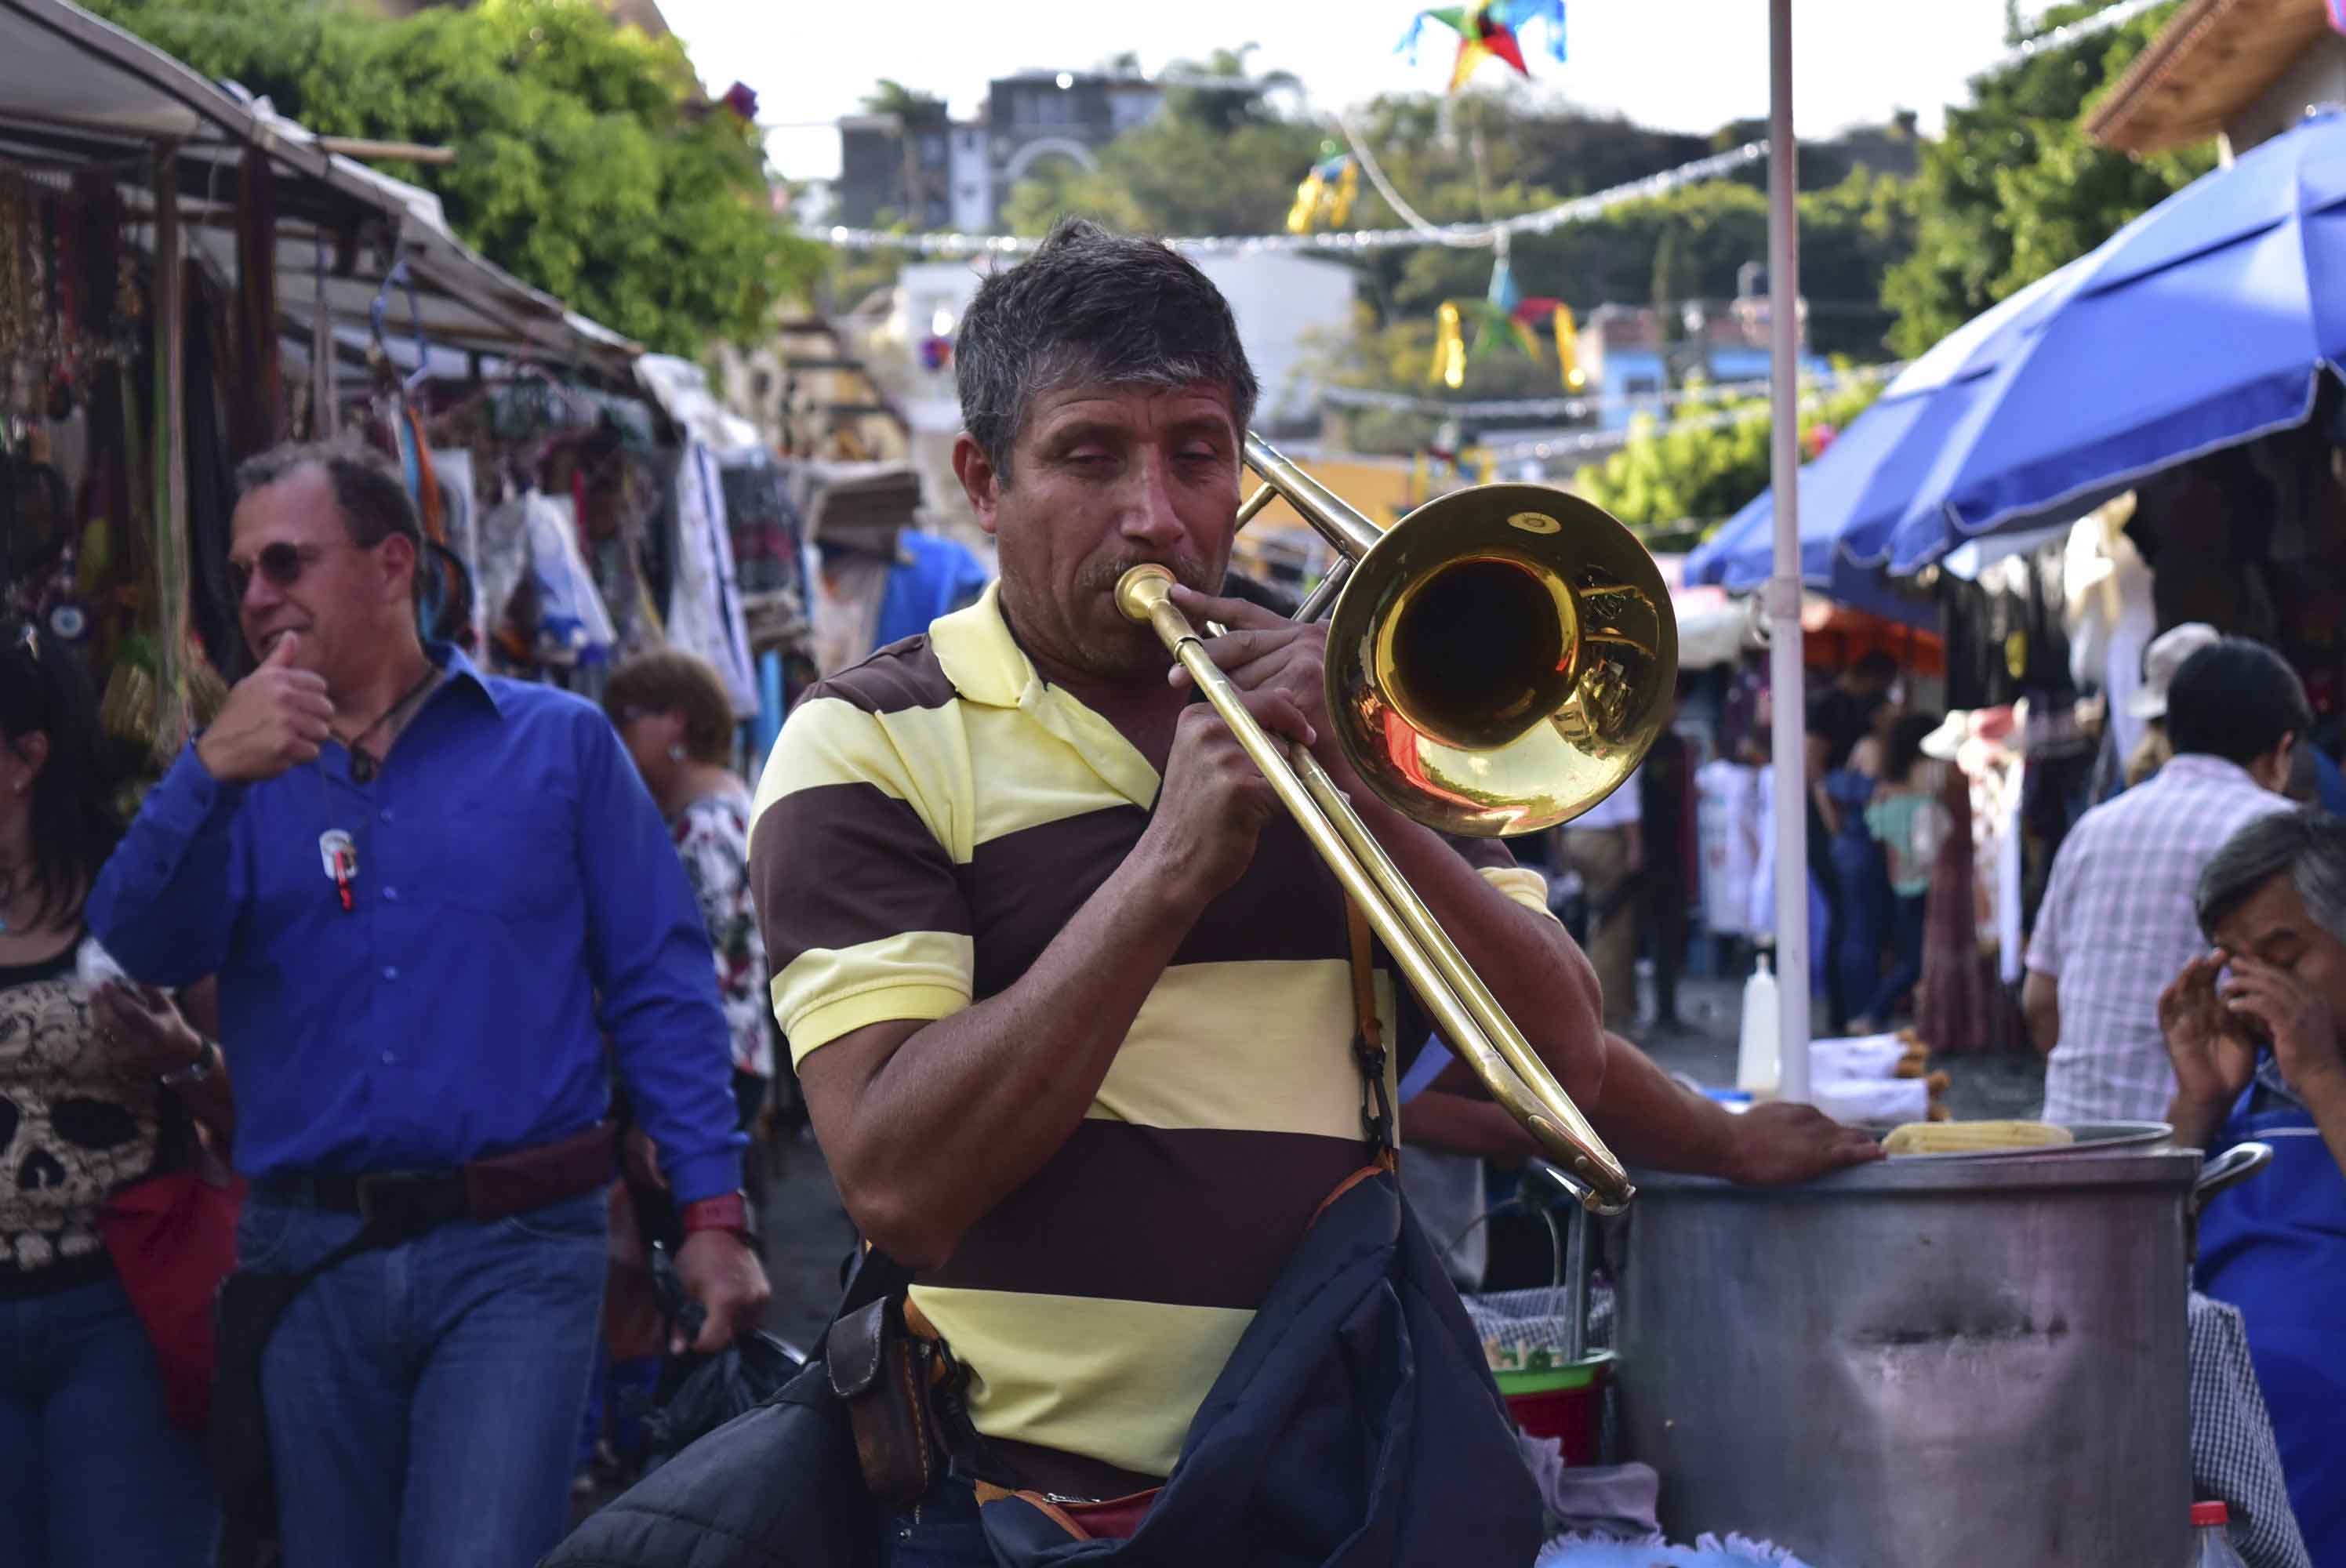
(704, 608)
(538, 600)
(574, 626)
(1490, 30)
(1325, 197)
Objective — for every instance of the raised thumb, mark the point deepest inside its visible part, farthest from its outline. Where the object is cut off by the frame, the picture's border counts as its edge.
(282, 655)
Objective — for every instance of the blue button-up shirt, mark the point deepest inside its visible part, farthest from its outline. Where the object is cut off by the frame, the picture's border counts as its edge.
(515, 898)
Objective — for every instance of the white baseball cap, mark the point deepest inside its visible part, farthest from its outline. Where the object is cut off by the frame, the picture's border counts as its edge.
(2169, 653)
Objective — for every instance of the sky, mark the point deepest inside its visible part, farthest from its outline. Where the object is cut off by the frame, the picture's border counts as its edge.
(1676, 64)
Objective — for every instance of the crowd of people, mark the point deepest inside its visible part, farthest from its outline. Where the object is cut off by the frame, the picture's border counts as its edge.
(435, 916)
(1876, 820)
(462, 977)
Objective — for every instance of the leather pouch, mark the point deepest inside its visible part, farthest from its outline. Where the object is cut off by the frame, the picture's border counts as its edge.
(881, 1371)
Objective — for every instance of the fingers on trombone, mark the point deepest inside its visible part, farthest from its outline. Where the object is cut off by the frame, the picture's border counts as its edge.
(1279, 712)
(1240, 613)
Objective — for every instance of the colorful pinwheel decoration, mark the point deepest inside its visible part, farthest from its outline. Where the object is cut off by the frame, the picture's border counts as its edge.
(1326, 193)
(1491, 30)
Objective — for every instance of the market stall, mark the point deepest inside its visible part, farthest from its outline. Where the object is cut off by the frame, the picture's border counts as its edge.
(190, 278)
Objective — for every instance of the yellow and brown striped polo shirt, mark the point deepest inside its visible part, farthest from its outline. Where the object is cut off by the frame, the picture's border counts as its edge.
(928, 822)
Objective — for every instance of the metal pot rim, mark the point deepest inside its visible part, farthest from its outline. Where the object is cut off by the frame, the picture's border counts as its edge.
(2124, 1166)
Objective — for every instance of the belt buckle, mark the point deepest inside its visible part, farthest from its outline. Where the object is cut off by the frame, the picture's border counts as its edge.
(391, 1197)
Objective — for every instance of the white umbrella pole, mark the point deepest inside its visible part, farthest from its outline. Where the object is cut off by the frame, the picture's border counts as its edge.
(1790, 718)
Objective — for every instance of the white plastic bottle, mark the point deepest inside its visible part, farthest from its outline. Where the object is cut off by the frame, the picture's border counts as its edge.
(1756, 1065)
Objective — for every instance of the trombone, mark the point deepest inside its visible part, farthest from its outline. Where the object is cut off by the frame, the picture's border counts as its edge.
(1498, 662)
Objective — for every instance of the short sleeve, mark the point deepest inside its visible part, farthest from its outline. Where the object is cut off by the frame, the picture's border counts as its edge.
(863, 913)
(2044, 945)
(1497, 864)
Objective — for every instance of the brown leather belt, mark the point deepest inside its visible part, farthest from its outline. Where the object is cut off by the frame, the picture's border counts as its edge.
(484, 1189)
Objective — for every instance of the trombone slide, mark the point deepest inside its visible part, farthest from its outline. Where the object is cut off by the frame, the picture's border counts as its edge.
(1470, 1019)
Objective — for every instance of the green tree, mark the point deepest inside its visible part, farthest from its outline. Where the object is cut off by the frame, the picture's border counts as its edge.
(2014, 190)
(587, 161)
(1704, 459)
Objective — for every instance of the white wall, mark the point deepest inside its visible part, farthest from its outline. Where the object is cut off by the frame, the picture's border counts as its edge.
(1283, 304)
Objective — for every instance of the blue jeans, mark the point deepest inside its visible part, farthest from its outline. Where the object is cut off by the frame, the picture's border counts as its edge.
(92, 1474)
(423, 1399)
(1861, 920)
(940, 1531)
(1907, 913)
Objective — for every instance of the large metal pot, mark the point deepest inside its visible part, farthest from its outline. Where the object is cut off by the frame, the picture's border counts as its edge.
(1922, 1363)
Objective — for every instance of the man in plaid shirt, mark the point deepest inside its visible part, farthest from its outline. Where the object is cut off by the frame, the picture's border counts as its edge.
(2117, 922)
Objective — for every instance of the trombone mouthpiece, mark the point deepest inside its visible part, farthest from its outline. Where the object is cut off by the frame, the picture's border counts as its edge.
(1139, 591)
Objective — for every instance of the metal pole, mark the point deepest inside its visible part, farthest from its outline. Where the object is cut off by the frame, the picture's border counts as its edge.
(1791, 718)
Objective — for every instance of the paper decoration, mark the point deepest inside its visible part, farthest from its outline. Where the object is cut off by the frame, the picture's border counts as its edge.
(1326, 193)
(1502, 320)
(1490, 30)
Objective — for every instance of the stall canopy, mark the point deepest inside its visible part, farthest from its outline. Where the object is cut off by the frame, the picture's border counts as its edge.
(2207, 321)
(78, 93)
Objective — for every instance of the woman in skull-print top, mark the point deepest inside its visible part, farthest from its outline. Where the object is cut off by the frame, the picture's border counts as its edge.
(83, 1424)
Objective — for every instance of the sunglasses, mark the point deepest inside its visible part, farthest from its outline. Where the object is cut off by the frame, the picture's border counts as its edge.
(281, 565)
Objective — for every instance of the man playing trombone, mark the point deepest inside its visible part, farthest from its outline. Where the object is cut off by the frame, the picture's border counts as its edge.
(1072, 1003)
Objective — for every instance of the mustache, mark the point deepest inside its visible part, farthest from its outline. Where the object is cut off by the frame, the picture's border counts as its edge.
(1190, 570)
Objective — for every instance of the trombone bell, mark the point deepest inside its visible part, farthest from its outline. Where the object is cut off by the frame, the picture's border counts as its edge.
(1501, 660)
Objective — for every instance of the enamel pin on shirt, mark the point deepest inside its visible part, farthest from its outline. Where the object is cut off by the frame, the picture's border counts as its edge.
(342, 861)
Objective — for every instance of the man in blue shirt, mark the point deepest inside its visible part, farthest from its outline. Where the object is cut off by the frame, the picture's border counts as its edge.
(2257, 1030)
(429, 896)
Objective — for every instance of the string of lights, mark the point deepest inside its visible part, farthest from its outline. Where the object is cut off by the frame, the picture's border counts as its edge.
(1581, 407)
(1579, 210)
(1417, 230)
(2076, 32)
(1567, 446)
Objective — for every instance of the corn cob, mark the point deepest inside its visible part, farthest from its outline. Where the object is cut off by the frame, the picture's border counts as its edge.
(1964, 1137)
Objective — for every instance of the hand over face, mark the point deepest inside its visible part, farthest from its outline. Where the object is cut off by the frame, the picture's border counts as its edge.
(1778, 1143)
(2297, 1016)
(721, 1272)
(275, 719)
(2208, 1044)
(142, 1033)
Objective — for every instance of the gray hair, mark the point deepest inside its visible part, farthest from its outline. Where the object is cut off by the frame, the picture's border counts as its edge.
(370, 492)
(1092, 306)
(2309, 844)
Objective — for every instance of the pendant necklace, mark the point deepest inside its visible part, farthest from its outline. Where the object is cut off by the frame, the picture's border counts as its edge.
(365, 764)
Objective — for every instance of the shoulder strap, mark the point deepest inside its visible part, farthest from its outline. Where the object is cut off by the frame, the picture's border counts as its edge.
(1368, 1037)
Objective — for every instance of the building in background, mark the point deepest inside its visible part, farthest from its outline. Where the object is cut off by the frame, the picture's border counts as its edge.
(920, 167)
(1632, 352)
